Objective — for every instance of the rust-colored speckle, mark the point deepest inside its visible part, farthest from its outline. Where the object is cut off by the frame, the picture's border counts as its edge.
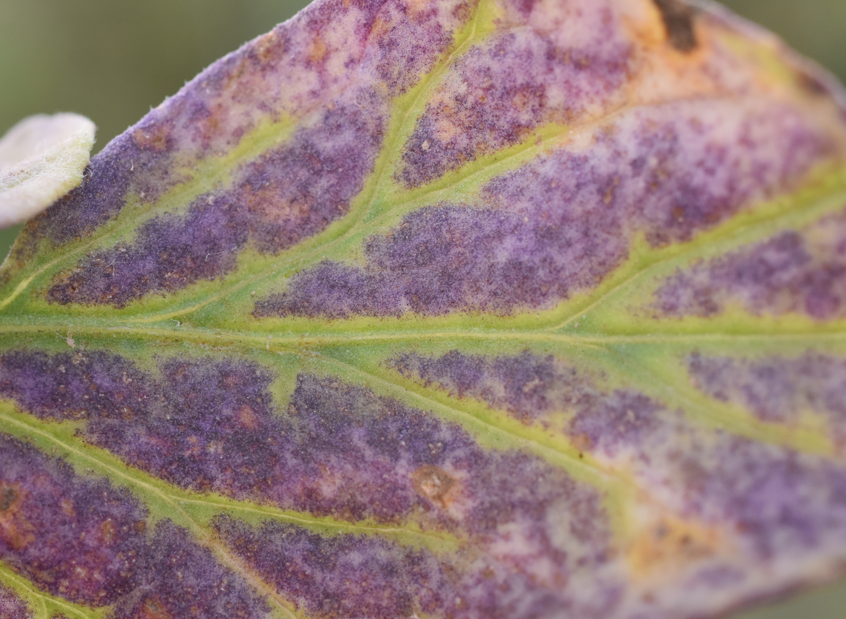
(154, 609)
(433, 483)
(15, 530)
(107, 531)
(155, 137)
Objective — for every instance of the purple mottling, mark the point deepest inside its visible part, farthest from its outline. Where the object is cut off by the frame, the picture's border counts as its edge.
(339, 450)
(498, 92)
(139, 159)
(527, 386)
(559, 225)
(778, 389)
(530, 387)
(440, 259)
(332, 577)
(343, 575)
(74, 386)
(285, 196)
(77, 538)
(776, 499)
(414, 40)
(86, 541)
(793, 272)
(778, 502)
(612, 421)
(332, 47)
(180, 579)
(13, 607)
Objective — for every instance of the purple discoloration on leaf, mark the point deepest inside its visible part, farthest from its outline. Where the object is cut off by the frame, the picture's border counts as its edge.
(182, 579)
(353, 575)
(775, 502)
(498, 92)
(77, 538)
(13, 607)
(285, 196)
(530, 388)
(775, 498)
(341, 576)
(559, 225)
(778, 389)
(85, 541)
(340, 451)
(333, 47)
(779, 502)
(526, 385)
(800, 272)
(96, 385)
(555, 148)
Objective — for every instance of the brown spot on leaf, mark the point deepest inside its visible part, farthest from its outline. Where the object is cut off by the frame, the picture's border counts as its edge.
(670, 543)
(432, 482)
(107, 531)
(678, 20)
(15, 530)
(154, 138)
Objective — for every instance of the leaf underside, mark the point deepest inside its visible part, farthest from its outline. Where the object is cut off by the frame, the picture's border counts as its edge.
(440, 308)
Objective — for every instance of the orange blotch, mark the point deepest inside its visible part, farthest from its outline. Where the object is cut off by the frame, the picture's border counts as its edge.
(669, 544)
(317, 51)
(15, 530)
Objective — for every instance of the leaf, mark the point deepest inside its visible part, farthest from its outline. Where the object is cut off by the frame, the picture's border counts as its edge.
(440, 309)
(41, 159)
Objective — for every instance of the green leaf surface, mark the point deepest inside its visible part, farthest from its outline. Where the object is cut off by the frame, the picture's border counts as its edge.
(440, 309)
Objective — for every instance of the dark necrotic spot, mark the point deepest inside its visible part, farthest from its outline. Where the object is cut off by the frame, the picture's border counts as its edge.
(286, 195)
(12, 606)
(678, 18)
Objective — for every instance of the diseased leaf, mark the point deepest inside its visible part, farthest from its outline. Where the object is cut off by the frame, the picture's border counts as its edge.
(445, 308)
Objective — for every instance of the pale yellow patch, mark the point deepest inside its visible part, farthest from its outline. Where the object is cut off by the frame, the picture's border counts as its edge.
(41, 159)
(670, 544)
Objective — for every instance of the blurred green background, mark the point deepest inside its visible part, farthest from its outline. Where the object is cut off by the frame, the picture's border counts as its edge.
(112, 60)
